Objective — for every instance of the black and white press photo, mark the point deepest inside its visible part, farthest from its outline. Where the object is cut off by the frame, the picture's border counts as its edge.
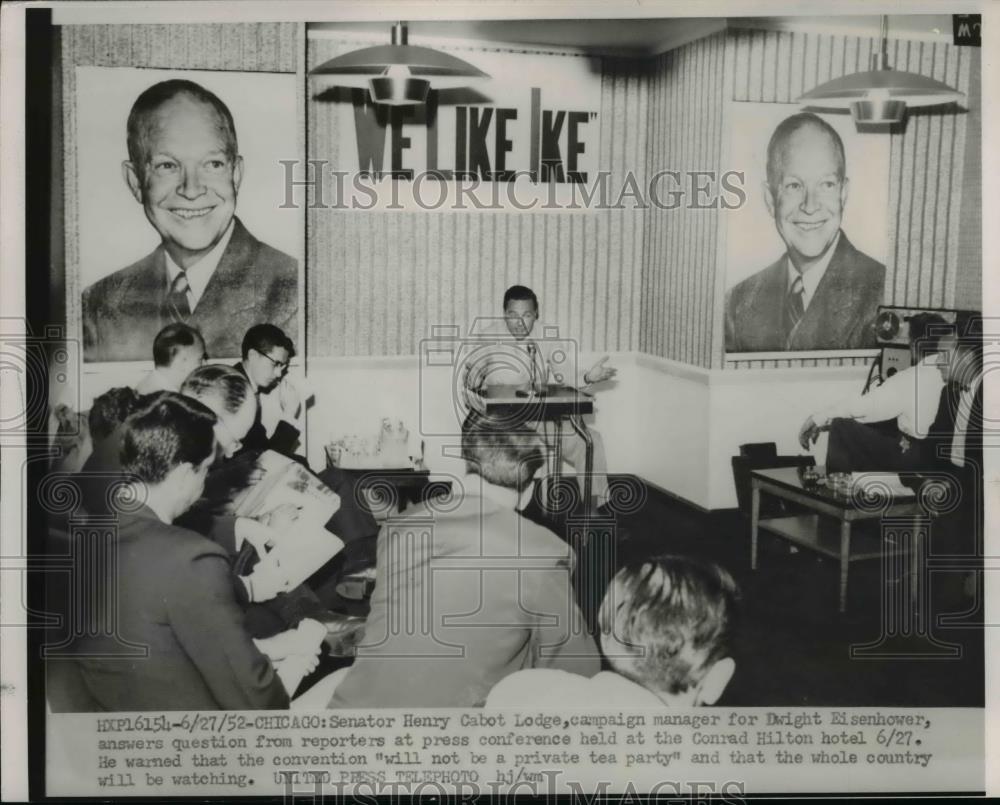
(432, 399)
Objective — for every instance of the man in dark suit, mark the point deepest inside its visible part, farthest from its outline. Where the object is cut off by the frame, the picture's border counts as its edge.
(229, 395)
(956, 436)
(823, 293)
(208, 271)
(175, 586)
(266, 352)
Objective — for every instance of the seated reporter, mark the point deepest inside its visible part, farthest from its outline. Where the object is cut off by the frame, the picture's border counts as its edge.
(666, 625)
(178, 349)
(230, 395)
(266, 354)
(958, 424)
(955, 444)
(227, 394)
(267, 351)
(888, 428)
(216, 386)
(476, 595)
(175, 588)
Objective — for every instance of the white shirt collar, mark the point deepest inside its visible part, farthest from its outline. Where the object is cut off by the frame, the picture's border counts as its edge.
(201, 272)
(813, 274)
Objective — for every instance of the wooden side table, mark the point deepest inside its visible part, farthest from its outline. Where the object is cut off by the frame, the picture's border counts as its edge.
(830, 530)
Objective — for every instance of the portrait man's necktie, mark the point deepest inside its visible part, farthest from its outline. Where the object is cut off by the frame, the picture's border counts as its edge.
(177, 299)
(794, 306)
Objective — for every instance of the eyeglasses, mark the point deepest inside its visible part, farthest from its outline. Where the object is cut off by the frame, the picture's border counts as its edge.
(277, 364)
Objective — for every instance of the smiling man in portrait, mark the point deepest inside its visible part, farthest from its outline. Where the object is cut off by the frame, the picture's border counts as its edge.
(822, 293)
(209, 272)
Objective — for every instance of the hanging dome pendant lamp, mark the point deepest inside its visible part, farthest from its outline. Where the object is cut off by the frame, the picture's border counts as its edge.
(397, 69)
(881, 95)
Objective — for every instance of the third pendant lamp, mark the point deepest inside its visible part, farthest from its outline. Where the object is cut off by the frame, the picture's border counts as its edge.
(881, 95)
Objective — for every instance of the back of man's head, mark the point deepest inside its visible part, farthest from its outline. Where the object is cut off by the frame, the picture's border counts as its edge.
(221, 387)
(519, 293)
(926, 330)
(666, 624)
(780, 139)
(499, 452)
(265, 337)
(141, 117)
(171, 430)
(110, 409)
(174, 338)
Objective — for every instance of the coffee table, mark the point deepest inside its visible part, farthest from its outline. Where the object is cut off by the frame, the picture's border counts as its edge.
(829, 527)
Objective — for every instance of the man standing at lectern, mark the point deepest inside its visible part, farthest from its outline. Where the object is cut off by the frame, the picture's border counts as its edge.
(209, 272)
(525, 356)
(822, 293)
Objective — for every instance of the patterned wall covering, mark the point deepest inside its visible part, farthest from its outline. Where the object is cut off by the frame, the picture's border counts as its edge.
(969, 271)
(677, 306)
(379, 280)
(256, 47)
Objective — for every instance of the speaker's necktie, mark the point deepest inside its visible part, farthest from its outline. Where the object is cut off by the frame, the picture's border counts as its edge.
(177, 298)
(794, 306)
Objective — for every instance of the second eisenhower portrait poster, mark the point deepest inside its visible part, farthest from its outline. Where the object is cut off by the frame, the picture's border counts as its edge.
(805, 256)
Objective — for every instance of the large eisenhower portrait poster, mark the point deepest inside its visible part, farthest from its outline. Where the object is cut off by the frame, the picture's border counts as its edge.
(178, 191)
(806, 253)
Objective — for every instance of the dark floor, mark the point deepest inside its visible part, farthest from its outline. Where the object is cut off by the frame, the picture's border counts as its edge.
(793, 645)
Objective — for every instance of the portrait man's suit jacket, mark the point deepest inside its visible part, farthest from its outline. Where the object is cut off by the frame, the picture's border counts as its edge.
(253, 283)
(175, 595)
(841, 314)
